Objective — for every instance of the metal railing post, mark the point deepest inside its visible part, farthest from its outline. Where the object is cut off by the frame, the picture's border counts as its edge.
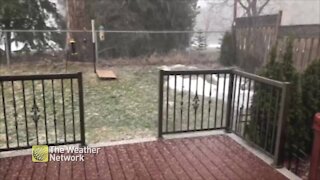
(81, 109)
(314, 173)
(282, 121)
(229, 102)
(160, 110)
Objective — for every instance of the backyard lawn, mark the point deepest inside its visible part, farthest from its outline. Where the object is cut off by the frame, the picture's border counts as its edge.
(126, 108)
(114, 110)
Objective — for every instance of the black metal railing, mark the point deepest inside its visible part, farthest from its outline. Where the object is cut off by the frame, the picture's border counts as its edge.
(251, 106)
(258, 112)
(193, 100)
(41, 109)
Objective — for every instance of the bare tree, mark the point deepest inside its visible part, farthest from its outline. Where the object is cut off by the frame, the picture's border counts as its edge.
(216, 14)
(78, 19)
(253, 7)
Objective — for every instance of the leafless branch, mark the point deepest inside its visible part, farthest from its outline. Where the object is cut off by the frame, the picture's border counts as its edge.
(242, 5)
(263, 5)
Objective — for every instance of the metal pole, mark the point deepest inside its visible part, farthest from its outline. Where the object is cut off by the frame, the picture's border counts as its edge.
(160, 111)
(229, 102)
(94, 40)
(281, 126)
(81, 109)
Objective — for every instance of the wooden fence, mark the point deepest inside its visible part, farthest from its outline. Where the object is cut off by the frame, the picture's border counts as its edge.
(255, 37)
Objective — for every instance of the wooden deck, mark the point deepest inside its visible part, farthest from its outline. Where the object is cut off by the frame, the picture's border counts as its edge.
(211, 157)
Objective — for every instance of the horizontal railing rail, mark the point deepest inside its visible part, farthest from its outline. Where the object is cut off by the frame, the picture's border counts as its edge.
(41, 110)
(39, 77)
(251, 106)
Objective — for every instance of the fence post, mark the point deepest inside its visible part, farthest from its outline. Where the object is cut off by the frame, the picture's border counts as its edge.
(160, 110)
(229, 102)
(313, 174)
(7, 47)
(281, 125)
(81, 109)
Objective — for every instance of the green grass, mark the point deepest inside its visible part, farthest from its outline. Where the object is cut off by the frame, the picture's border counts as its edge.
(114, 110)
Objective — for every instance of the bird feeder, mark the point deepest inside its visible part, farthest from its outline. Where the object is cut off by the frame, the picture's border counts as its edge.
(101, 33)
(73, 46)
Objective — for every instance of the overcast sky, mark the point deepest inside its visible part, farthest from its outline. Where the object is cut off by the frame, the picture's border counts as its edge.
(294, 12)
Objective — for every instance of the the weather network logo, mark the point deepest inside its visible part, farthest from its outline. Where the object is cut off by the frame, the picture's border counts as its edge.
(40, 153)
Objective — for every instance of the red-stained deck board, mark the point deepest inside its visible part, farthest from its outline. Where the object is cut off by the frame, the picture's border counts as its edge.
(213, 168)
(4, 166)
(149, 162)
(171, 160)
(91, 167)
(114, 163)
(102, 165)
(183, 161)
(142, 172)
(210, 157)
(216, 159)
(65, 170)
(264, 172)
(160, 161)
(126, 163)
(53, 170)
(15, 167)
(227, 158)
(233, 156)
(40, 171)
(27, 169)
(201, 169)
(78, 171)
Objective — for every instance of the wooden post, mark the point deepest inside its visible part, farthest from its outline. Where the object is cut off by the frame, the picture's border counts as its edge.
(314, 173)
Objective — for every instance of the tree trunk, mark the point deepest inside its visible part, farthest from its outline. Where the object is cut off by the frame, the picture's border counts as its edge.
(78, 19)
